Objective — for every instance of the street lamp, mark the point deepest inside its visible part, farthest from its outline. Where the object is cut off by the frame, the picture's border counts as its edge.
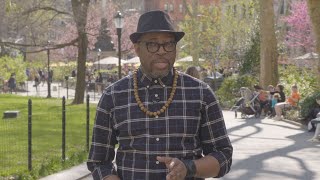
(99, 54)
(49, 73)
(118, 21)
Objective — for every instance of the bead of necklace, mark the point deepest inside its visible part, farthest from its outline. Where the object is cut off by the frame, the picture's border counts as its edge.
(165, 106)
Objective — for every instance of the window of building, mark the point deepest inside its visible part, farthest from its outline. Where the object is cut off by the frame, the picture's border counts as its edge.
(166, 7)
(171, 7)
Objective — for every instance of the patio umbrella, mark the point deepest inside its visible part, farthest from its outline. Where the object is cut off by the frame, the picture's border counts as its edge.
(134, 60)
(109, 60)
(307, 56)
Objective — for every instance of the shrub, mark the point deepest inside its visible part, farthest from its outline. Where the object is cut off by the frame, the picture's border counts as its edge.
(305, 80)
(230, 87)
(308, 103)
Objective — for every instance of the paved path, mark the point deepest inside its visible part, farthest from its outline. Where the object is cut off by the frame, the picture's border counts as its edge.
(57, 91)
(264, 149)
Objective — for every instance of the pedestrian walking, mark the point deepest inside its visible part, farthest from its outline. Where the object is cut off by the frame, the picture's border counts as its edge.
(167, 124)
(12, 83)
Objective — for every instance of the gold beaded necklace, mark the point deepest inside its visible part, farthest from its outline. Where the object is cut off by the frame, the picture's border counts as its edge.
(166, 105)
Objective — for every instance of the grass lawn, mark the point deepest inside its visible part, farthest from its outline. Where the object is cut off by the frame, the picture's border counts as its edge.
(46, 135)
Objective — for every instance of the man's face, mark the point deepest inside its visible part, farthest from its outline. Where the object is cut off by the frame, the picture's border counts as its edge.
(156, 63)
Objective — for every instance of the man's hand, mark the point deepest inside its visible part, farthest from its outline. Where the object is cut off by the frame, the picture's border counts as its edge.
(177, 170)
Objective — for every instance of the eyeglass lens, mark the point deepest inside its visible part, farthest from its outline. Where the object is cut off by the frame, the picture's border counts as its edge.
(154, 46)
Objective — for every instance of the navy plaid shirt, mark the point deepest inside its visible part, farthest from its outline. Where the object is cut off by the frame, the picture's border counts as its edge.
(190, 128)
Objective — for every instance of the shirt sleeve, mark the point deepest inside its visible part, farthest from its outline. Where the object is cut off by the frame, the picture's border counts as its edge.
(213, 134)
(102, 150)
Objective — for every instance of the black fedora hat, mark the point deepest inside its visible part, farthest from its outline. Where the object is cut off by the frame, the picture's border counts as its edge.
(155, 21)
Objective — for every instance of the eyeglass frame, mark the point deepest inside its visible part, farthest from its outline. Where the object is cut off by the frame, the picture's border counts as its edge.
(159, 45)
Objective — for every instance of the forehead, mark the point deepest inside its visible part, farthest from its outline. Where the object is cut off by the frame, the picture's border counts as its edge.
(157, 36)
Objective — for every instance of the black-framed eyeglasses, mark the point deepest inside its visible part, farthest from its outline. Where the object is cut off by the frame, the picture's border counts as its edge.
(153, 47)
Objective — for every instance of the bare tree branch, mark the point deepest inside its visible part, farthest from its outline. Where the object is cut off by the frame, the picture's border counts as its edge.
(42, 47)
(45, 8)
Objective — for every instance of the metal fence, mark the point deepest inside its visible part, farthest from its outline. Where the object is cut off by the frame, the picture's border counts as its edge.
(36, 136)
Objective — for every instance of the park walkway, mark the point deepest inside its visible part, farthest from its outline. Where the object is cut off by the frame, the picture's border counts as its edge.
(264, 149)
(57, 91)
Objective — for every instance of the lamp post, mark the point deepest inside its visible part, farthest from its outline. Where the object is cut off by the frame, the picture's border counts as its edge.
(118, 21)
(99, 54)
(48, 74)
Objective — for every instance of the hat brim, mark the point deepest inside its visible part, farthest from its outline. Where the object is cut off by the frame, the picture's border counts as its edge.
(134, 37)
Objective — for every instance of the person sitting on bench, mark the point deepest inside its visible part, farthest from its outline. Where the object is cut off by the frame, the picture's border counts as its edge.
(292, 100)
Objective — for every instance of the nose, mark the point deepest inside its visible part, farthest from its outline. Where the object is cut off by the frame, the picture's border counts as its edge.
(161, 50)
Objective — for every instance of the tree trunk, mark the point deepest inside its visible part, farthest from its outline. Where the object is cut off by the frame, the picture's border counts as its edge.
(314, 12)
(80, 9)
(268, 48)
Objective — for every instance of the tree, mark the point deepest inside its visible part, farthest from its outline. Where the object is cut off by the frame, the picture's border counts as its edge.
(268, 46)
(80, 12)
(193, 24)
(314, 11)
(222, 32)
(299, 33)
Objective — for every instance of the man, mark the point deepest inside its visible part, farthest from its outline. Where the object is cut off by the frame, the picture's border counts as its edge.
(12, 83)
(167, 124)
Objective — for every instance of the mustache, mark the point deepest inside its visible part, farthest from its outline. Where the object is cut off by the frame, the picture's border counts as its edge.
(161, 59)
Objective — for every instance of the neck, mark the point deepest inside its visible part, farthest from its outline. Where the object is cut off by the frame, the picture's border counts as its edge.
(152, 75)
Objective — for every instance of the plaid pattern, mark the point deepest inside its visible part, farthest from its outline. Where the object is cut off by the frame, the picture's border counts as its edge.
(191, 127)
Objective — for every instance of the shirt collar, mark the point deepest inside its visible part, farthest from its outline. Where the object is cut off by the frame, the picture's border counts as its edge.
(147, 81)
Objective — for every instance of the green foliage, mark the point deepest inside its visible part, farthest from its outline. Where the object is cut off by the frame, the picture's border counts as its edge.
(251, 59)
(60, 72)
(306, 82)
(308, 103)
(211, 27)
(10, 65)
(303, 78)
(230, 87)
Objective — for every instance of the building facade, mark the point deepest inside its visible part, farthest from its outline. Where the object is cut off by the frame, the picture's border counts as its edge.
(175, 8)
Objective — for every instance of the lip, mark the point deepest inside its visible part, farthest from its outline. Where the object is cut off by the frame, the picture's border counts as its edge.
(160, 64)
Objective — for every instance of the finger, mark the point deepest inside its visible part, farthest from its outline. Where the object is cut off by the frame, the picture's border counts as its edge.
(172, 164)
(173, 175)
(178, 172)
(164, 159)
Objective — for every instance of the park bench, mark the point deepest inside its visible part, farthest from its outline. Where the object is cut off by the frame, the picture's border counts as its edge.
(10, 114)
(316, 137)
(291, 112)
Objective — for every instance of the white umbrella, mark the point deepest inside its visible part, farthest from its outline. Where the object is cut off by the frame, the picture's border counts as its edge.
(108, 60)
(188, 59)
(134, 60)
(307, 56)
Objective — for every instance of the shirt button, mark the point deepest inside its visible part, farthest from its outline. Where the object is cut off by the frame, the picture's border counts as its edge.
(157, 139)
(155, 81)
(157, 162)
(148, 87)
(156, 95)
(163, 85)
